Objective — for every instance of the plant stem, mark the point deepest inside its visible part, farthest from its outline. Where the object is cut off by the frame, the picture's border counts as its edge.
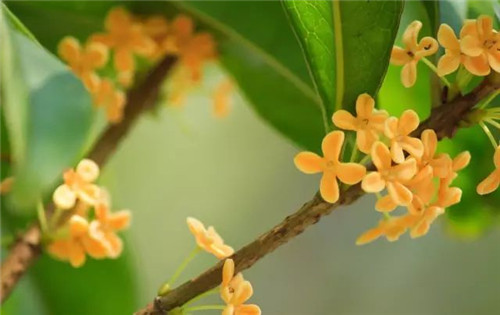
(365, 159)
(489, 99)
(354, 153)
(40, 210)
(204, 308)
(435, 70)
(184, 264)
(493, 123)
(489, 134)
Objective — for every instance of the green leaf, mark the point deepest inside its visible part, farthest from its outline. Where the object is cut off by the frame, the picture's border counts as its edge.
(48, 115)
(347, 45)
(264, 58)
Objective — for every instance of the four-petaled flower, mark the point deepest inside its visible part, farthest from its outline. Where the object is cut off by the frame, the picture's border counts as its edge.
(368, 124)
(208, 239)
(112, 99)
(332, 168)
(491, 183)
(398, 131)
(78, 185)
(78, 242)
(235, 291)
(388, 176)
(481, 41)
(83, 61)
(412, 52)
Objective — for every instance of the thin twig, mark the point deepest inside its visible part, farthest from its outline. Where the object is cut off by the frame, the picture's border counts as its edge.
(27, 248)
(445, 120)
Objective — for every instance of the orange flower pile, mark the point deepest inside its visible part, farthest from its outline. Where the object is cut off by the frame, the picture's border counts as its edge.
(127, 38)
(208, 239)
(235, 291)
(477, 49)
(85, 234)
(414, 175)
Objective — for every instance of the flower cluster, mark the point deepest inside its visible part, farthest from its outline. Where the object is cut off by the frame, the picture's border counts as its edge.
(126, 38)
(477, 49)
(414, 175)
(86, 232)
(235, 291)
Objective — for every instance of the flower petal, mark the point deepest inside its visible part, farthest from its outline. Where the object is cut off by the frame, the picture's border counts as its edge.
(410, 35)
(365, 105)
(408, 122)
(494, 59)
(381, 156)
(399, 193)
(227, 271)
(406, 170)
(369, 236)
(427, 46)
(329, 187)
(447, 38)
(399, 56)
(413, 146)
(429, 141)
(478, 65)
(373, 182)
(350, 173)
(248, 309)
(447, 64)
(124, 60)
(385, 204)
(69, 49)
(344, 120)
(391, 127)
(309, 162)
(242, 293)
(365, 140)
(397, 152)
(471, 46)
(489, 184)
(88, 170)
(332, 145)
(409, 74)
(64, 198)
(484, 26)
(462, 160)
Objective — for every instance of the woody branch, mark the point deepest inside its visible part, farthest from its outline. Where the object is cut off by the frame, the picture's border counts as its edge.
(28, 247)
(444, 120)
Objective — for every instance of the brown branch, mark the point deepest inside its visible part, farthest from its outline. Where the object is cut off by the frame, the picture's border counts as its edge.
(445, 120)
(28, 247)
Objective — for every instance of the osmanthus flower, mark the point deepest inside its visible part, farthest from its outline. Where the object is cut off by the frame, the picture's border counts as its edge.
(422, 226)
(127, 38)
(208, 239)
(78, 242)
(368, 124)
(491, 183)
(222, 98)
(332, 168)
(482, 41)
(84, 61)
(105, 226)
(112, 99)
(412, 52)
(235, 291)
(398, 131)
(157, 28)
(440, 164)
(392, 177)
(392, 228)
(78, 185)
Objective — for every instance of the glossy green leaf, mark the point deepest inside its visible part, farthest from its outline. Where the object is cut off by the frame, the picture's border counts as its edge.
(347, 45)
(264, 58)
(48, 115)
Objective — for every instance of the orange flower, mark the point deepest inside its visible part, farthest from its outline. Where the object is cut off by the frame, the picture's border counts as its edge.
(208, 239)
(422, 226)
(73, 249)
(412, 52)
(441, 164)
(491, 183)
(157, 28)
(390, 177)
(113, 100)
(481, 41)
(222, 98)
(107, 224)
(368, 124)
(78, 185)
(332, 168)
(126, 37)
(391, 228)
(83, 61)
(453, 56)
(235, 291)
(398, 131)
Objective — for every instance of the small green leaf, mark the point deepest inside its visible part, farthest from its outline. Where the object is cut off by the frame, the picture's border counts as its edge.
(347, 45)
